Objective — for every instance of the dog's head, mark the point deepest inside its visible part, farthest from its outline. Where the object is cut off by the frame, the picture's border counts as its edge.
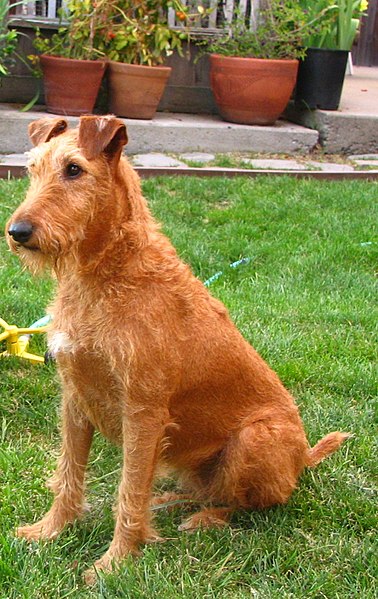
(72, 180)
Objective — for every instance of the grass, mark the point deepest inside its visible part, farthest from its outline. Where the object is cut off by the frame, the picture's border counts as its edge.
(306, 301)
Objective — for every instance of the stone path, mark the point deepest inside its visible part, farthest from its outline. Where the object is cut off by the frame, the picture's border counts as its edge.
(303, 163)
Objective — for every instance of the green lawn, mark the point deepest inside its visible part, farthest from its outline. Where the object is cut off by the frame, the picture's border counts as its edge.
(307, 302)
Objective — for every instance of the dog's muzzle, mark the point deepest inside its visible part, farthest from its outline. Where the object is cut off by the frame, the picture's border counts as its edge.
(21, 231)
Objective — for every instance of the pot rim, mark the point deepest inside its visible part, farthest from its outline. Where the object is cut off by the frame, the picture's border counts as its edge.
(332, 50)
(61, 58)
(252, 58)
(139, 67)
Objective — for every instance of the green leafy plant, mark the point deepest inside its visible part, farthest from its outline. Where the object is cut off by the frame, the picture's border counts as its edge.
(338, 22)
(279, 33)
(121, 30)
(8, 37)
(81, 34)
(138, 32)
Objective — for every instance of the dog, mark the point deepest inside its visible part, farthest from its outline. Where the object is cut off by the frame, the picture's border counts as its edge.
(145, 354)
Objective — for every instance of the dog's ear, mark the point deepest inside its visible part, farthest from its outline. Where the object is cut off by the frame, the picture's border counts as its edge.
(102, 135)
(45, 129)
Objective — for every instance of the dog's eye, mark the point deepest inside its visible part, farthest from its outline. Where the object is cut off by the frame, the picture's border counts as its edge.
(73, 170)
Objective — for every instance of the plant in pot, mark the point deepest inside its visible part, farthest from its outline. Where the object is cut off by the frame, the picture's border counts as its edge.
(138, 40)
(322, 70)
(71, 62)
(253, 70)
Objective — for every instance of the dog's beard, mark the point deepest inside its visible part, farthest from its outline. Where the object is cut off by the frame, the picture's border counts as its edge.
(38, 255)
(34, 260)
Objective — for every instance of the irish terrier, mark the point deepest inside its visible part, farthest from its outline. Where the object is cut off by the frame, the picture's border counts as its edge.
(144, 353)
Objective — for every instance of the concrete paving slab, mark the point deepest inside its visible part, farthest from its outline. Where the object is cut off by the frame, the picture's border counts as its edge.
(363, 157)
(330, 167)
(175, 133)
(360, 92)
(275, 163)
(373, 163)
(151, 160)
(198, 157)
(207, 133)
(14, 159)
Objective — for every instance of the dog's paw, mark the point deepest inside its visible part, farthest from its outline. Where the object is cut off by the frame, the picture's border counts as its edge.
(91, 576)
(105, 565)
(207, 518)
(169, 501)
(44, 529)
(112, 561)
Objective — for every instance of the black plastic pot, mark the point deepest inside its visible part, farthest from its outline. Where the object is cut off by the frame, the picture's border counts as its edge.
(320, 78)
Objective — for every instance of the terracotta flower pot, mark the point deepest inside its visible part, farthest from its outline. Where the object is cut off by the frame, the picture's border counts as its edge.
(71, 86)
(252, 91)
(135, 90)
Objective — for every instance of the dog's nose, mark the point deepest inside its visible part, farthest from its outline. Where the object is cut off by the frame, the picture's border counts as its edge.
(21, 231)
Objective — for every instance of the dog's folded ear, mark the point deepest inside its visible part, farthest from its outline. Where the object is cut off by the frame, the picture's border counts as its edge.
(45, 129)
(102, 135)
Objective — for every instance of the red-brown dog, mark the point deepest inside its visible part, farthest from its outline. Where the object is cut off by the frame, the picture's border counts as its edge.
(145, 354)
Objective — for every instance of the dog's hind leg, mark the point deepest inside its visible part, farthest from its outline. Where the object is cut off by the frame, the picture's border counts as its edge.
(257, 468)
(264, 459)
(261, 462)
(68, 480)
(260, 465)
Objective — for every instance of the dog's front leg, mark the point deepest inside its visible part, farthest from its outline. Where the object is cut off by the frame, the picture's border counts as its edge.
(143, 430)
(68, 480)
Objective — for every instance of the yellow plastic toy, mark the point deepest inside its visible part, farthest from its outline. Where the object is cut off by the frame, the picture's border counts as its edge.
(18, 339)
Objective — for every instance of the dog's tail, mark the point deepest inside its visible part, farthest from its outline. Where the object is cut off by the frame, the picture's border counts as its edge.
(324, 447)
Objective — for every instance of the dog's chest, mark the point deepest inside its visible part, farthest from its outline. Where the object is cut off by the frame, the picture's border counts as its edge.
(91, 384)
(78, 325)
(60, 342)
